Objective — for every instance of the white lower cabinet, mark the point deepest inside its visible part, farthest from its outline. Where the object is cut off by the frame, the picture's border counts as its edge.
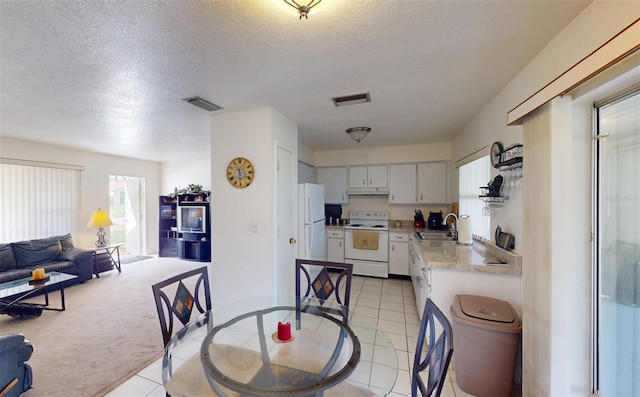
(335, 246)
(399, 253)
(446, 284)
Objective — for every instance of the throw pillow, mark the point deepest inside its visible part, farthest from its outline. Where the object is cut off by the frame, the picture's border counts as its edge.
(7, 260)
(65, 240)
(35, 252)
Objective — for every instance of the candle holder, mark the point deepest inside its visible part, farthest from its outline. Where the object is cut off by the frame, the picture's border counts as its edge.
(283, 335)
(38, 276)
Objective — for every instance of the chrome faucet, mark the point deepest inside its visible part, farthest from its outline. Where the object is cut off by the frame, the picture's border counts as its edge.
(453, 231)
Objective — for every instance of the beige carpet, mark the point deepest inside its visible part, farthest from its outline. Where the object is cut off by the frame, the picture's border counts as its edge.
(109, 332)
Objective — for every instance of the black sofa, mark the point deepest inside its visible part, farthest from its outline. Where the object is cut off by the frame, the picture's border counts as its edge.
(17, 260)
(15, 351)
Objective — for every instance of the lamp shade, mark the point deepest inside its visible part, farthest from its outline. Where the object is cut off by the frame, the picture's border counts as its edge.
(99, 218)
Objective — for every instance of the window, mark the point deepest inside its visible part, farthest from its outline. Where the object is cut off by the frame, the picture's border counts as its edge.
(37, 201)
(617, 260)
(470, 177)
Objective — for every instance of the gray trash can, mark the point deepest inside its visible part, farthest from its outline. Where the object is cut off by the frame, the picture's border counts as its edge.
(486, 332)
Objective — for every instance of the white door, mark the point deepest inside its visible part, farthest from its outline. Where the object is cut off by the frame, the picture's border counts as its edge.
(313, 196)
(432, 183)
(315, 237)
(335, 184)
(287, 190)
(378, 176)
(402, 184)
(127, 213)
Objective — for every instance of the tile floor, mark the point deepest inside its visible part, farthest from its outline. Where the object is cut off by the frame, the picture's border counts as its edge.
(390, 303)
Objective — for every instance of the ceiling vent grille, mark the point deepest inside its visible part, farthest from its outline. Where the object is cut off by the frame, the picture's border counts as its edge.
(203, 103)
(351, 99)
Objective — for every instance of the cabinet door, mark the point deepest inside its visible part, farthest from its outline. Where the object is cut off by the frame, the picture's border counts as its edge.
(335, 250)
(399, 258)
(433, 183)
(402, 184)
(357, 177)
(377, 176)
(335, 184)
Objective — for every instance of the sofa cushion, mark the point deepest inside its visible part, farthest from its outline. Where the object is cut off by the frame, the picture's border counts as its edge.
(34, 252)
(66, 241)
(7, 260)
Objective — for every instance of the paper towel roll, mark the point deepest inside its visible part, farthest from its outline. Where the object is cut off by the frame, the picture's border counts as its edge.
(464, 230)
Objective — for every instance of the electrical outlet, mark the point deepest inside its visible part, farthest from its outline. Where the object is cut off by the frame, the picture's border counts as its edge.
(253, 227)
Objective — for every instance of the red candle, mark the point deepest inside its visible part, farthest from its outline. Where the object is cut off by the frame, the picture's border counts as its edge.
(284, 331)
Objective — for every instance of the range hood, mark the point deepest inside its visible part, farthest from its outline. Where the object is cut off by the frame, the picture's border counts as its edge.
(367, 191)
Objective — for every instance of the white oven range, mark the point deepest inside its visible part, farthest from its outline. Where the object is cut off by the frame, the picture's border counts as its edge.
(367, 261)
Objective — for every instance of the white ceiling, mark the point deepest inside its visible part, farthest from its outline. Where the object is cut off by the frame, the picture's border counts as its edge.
(110, 76)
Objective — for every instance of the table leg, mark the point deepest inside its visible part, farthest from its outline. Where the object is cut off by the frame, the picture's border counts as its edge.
(113, 260)
(95, 264)
(62, 297)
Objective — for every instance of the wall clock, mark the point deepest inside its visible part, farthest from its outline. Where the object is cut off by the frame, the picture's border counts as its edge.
(496, 154)
(240, 172)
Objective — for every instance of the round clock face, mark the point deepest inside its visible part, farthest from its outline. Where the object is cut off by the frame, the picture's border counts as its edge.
(496, 154)
(240, 172)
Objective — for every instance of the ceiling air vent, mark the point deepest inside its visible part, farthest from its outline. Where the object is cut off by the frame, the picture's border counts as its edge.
(351, 99)
(203, 103)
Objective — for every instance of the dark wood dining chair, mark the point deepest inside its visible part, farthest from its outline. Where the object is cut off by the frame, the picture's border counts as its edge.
(434, 363)
(184, 299)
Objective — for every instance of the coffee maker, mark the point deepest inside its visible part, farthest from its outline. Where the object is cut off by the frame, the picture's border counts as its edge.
(435, 220)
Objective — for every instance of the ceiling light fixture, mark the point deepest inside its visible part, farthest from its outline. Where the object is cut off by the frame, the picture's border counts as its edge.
(304, 8)
(358, 133)
(351, 99)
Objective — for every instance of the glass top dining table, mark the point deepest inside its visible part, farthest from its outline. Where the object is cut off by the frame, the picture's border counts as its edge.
(235, 351)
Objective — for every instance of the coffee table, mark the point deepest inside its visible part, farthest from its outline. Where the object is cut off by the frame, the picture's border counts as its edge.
(13, 293)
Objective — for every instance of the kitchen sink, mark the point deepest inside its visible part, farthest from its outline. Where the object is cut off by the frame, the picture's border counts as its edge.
(434, 236)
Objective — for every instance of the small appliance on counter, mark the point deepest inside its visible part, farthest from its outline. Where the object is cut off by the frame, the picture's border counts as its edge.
(333, 214)
(418, 219)
(435, 220)
(505, 241)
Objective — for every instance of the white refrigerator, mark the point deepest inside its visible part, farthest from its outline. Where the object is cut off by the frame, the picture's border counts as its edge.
(312, 240)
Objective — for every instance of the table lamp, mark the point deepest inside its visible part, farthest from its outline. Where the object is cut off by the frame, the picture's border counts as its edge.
(100, 219)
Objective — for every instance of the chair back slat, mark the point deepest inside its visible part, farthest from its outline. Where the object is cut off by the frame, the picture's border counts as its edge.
(184, 301)
(340, 289)
(434, 363)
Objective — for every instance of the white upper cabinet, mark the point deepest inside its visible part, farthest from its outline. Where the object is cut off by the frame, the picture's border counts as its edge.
(372, 177)
(335, 184)
(402, 183)
(433, 182)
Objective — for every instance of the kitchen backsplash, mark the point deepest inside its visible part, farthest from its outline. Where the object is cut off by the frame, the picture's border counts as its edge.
(396, 211)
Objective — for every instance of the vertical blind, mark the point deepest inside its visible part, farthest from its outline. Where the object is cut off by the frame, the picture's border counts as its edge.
(470, 177)
(37, 202)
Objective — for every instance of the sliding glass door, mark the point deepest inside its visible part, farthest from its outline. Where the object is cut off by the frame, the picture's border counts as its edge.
(617, 348)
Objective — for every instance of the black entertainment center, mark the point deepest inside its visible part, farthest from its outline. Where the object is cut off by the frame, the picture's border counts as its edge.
(184, 227)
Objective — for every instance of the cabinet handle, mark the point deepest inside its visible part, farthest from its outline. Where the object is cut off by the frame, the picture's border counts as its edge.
(364, 182)
(393, 197)
(340, 244)
(420, 197)
(393, 248)
(370, 181)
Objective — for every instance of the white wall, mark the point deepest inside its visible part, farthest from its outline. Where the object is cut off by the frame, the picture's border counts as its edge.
(179, 174)
(552, 311)
(95, 182)
(243, 262)
(384, 155)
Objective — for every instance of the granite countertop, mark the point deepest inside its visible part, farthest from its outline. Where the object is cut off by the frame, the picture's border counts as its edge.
(449, 255)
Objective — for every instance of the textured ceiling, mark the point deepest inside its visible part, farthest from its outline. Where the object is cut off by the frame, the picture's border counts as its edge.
(110, 76)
